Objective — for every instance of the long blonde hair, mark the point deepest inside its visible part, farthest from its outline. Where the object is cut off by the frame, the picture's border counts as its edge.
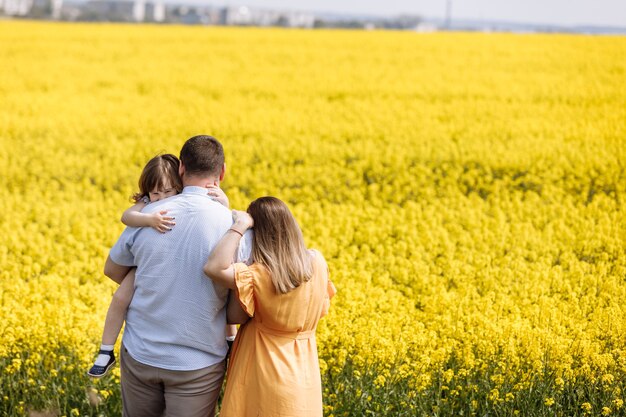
(278, 244)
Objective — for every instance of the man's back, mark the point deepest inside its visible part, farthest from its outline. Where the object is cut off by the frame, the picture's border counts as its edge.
(176, 319)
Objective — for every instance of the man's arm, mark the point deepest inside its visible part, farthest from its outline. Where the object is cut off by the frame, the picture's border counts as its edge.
(234, 312)
(114, 271)
(121, 259)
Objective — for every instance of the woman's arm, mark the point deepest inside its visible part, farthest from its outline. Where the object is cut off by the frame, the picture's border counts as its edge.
(219, 267)
(135, 218)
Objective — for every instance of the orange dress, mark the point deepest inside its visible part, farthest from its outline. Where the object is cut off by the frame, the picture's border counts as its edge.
(274, 369)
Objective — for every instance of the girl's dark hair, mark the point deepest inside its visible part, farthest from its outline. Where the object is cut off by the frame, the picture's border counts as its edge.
(157, 173)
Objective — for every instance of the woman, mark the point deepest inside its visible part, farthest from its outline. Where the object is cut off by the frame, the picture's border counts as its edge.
(274, 370)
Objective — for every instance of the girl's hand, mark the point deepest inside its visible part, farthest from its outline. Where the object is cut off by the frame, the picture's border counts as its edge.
(160, 222)
(242, 220)
(218, 195)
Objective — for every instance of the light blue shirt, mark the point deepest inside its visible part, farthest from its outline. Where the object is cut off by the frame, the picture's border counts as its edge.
(176, 319)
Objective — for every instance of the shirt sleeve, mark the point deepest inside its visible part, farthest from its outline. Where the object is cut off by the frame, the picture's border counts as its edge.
(121, 253)
(244, 281)
(244, 251)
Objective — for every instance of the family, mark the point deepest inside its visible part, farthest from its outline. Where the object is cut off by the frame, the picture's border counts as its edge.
(189, 271)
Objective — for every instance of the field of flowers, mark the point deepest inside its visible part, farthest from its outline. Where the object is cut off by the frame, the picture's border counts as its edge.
(468, 191)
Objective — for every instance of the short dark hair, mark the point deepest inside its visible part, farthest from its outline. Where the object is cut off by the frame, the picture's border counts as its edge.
(202, 155)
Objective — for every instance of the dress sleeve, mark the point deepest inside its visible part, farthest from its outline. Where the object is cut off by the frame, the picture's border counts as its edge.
(244, 281)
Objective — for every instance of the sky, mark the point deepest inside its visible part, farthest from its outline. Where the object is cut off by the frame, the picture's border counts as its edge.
(558, 12)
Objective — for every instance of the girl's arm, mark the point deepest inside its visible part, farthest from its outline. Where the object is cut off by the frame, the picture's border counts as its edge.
(135, 218)
(219, 267)
(217, 194)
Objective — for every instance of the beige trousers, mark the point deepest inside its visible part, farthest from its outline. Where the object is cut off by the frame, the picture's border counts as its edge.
(154, 392)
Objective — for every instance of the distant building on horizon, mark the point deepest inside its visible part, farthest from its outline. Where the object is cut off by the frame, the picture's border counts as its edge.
(42, 9)
(246, 16)
(179, 12)
(57, 7)
(154, 12)
(16, 7)
(123, 11)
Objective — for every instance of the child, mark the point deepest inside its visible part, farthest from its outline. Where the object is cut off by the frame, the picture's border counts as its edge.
(159, 179)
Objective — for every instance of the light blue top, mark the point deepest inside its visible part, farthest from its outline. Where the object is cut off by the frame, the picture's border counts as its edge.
(176, 319)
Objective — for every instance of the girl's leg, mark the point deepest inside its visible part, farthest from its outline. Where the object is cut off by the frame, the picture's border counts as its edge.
(231, 331)
(117, 309)
(113, 325)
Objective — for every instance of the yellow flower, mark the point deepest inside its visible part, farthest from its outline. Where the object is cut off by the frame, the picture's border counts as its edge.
(494, 395)
(606, 411)
(469, 227)
(608, 379)
(559, 382)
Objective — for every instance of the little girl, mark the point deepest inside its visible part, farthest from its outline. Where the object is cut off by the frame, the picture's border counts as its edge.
(159, 179)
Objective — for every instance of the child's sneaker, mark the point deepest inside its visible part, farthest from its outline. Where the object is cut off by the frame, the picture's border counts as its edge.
(98, 371)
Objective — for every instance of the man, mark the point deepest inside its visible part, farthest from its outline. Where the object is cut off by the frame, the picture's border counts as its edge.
(173, 350)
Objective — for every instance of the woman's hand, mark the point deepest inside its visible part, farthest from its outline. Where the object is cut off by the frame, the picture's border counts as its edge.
(217, 194)
(242, 220)
(219, 266)
(161, 222)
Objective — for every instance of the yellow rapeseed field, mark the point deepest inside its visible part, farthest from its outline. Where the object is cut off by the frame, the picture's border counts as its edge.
(468, 191)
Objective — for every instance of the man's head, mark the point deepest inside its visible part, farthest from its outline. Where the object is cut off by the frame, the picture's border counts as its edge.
(201, 160)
